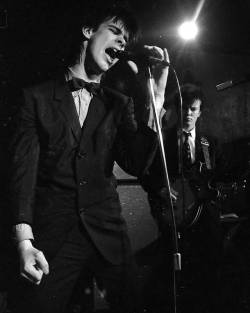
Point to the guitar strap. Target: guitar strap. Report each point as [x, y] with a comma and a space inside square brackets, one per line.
[205, 145]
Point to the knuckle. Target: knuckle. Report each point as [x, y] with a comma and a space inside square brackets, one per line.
[25, 269]
[39, 254]
[22, 275]
[39, 275]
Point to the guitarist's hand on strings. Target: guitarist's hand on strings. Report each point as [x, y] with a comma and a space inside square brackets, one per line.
[173, 194]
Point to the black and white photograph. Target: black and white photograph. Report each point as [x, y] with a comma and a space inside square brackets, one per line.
[125, 156]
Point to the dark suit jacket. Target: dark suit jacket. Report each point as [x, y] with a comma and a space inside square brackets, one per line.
[61, 172]
[153, 179]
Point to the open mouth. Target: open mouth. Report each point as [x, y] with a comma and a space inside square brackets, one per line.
[112, 53]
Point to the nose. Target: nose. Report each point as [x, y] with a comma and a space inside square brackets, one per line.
[121, 41]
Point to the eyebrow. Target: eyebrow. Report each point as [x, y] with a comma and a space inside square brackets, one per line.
[119, 29]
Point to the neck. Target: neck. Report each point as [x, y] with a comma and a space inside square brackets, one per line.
[78, 70]
[188, 129]
[81, 70]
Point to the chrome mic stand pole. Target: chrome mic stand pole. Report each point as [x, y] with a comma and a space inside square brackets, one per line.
[176, 254]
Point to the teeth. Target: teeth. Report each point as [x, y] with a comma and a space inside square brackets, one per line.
[111, 52]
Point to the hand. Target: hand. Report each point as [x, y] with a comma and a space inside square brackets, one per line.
[32, 262]
[159, 70]
[173, 194]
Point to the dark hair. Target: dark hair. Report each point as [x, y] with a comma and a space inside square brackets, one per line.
[118, 12]
[93, 17]
[190, 93]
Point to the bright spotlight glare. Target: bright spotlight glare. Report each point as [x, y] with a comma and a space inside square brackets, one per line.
[188, 30]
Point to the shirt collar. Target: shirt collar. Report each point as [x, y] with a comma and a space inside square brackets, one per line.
[192, 133]
[71, 73]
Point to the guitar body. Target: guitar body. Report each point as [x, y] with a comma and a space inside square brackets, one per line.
[187, 207]
[192, 192]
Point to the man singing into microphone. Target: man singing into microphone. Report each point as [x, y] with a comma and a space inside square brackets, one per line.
[66, 211]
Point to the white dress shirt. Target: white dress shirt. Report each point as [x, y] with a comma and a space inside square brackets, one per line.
[82, 99]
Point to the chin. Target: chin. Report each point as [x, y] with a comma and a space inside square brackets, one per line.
[187, 126]
[99, 66]
[104, 67]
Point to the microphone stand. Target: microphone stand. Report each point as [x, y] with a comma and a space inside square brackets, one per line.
[176, 254]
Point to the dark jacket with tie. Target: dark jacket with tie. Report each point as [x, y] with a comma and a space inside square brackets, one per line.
[198, 176]
[61, 172]
[153, 178]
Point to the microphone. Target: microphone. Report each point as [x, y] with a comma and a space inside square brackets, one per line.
[222, 86]
[232, 83]
[143, 57]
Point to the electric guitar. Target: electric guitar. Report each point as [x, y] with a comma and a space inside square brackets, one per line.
[191, 194]
[194, 192]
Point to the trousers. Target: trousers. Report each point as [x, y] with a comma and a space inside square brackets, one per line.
[77, 259]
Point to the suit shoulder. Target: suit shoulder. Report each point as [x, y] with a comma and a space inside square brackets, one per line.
[207, 138]
[40, 88]
[170, 131]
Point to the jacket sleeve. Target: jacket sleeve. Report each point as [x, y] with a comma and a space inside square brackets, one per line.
[219, 162]
[135, 143]
[24, 149]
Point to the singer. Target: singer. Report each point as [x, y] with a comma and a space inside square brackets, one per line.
[66, 213]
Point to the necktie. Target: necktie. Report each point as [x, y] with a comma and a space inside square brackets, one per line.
[187, 160]
[77, 83]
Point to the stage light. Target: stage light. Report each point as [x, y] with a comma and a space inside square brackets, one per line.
[188, 30]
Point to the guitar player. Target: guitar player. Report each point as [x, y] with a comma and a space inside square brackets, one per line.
[200, 236]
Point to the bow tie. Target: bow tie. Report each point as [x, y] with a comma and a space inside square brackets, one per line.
[77, 83]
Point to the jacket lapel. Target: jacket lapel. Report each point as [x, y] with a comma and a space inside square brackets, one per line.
[63, 95]
[94, 117]
[198, 148]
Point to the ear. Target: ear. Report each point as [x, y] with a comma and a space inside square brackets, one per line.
[87, 32]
